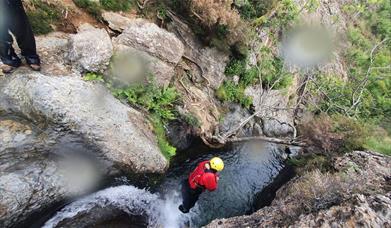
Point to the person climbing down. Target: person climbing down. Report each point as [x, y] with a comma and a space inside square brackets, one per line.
[204, 177]
[13, 19]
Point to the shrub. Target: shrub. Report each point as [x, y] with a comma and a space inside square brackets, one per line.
[310, 162]
[235, 67]
[167, 150]
[93, 77]
[116, 5]
[334, 134]
[229, 91]
[255, 8]
[318, 191]
[379, 141]
[158, 101]
[43, 16]
[92, 7]
[250, 77]
[286, 13]
[215, 22]
[191, 120]
[272, 71]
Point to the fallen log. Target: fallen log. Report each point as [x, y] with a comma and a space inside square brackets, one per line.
[267, 139]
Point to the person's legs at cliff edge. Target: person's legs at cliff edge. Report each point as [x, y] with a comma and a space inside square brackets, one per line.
[7, 53]
[16, 21]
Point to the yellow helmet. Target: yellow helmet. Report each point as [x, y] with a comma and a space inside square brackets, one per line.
[217, 164]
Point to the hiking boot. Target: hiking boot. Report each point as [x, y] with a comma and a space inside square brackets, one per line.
[34, 62]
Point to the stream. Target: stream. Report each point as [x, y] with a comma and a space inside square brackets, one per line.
[248, 169]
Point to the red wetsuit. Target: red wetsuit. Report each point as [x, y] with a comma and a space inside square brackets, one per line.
[202, 177]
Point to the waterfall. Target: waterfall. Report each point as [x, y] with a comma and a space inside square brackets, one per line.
[158, 212]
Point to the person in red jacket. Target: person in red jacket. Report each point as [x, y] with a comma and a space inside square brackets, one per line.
[204, 177]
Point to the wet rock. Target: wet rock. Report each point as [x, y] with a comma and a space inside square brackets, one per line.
[90, 49]
[116, 21]
[21, 164]
[121, 134]
[28, 189]
[38, 169]
[366, 174]
[180, 134]
[160, 49]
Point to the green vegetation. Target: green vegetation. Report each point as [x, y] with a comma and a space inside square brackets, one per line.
[365, 96]
[91, 7]
[43, 17]
[93, 77]
[116, 5]
[270, 71]
[167, 150]
[273, 73]
[191, 120]
[229, 91]
[310, 162]
[94, 8]
[335, 134]
[159, 102]
[286, 13]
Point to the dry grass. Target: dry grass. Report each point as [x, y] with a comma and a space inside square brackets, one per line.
[211, 12]
[316, 190]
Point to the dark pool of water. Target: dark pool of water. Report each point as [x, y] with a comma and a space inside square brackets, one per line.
[248, 169]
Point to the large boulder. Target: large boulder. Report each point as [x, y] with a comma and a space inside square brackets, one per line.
[122, 135]
[90, 49]
[357, 195]
[53, 50]
[116, 21]
[160, 48]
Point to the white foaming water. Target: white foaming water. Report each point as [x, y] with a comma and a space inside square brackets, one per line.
[128, 199]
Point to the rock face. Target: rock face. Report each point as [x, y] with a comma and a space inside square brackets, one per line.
[38, 170]
[121, 133]
[160, 48]
[211, 62]
[90, 49]
[273, 111]
[20, 168]
[329, 200]
[362, 211]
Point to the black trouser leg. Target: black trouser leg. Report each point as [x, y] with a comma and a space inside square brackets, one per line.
[22, 30]
[190, 196]
[7, 53]
[17, 22]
